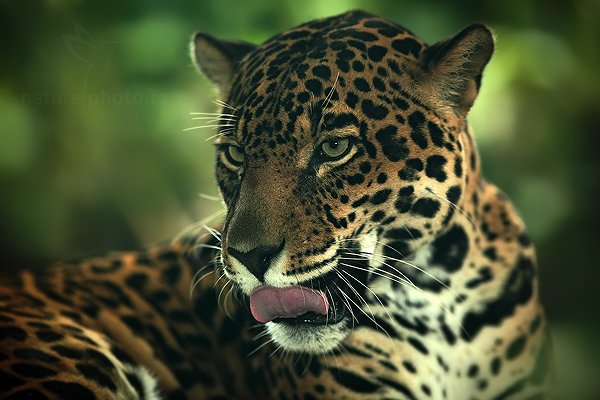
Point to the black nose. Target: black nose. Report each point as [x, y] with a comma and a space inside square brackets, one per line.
[258, 259]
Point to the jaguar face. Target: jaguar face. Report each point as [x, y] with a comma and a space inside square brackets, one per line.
[341, 144]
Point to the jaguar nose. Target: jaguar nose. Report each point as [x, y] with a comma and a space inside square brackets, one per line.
[258, 259]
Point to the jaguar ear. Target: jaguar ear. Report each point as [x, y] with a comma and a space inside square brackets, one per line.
[218, 59]
[454, 66]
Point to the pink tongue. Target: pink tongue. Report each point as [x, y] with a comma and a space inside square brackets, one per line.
[268, 302]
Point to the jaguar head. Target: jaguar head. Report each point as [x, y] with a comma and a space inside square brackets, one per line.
[341, 144]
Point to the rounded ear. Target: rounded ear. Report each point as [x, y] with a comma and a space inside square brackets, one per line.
[454, 67]
[218, 59]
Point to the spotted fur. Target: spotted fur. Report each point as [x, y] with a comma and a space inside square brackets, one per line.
[428, 270]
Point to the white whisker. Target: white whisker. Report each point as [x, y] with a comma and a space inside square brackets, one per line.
[217, 281]
[209, 197]
[215, 233]
[330, 94]
[261, 334]
[215, 119]
[457, 208]
[194, 228]
[206, 246]
[413, 266]
[348, 305]
[334, 308]
[383, 274]
[196, 282]
[260, 347]
[207, 126]
[372, 318]
[216, 114]
[372, 257]
[275, 351]
[372, 292]
[224, 104]
[223, 307]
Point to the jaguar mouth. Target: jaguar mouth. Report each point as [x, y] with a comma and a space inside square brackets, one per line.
[302, 305]
[314, 316]
[336, 314]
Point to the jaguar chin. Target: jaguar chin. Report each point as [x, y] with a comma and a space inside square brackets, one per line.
[309, 337]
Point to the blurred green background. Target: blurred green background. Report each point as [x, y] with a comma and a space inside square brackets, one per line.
[94, 97]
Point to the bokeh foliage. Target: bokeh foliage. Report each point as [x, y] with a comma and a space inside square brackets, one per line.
[94, 97]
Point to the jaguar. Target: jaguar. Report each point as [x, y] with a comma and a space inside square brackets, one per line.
[362, 255]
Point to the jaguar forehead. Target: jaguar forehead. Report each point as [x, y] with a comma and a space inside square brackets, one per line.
[293, 74]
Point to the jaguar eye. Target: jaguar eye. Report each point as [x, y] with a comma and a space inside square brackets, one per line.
[234, 156]
[334, 149]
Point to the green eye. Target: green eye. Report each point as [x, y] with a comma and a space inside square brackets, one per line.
[334, 149]
[234, 156]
